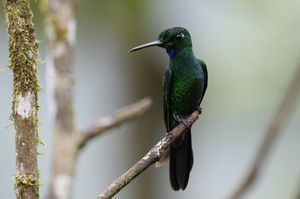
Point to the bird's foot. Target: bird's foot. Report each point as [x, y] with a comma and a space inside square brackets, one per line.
[199, 109]
[182, 120]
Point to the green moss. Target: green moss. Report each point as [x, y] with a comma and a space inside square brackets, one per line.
[23, 57]
[23, 48]
[23, 53]
[23, 181]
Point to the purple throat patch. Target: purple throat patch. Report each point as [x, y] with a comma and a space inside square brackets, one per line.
[171, 52]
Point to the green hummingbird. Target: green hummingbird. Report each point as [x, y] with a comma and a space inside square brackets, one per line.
[184, 85]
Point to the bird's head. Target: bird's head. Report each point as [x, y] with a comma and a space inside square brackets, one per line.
[173, 40]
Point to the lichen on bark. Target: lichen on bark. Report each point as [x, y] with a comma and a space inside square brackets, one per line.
[22, 60]
[23, 47]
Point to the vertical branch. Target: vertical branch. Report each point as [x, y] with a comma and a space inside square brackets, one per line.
[61, 27]
[23, 56]
[276, 124]
[61, 32]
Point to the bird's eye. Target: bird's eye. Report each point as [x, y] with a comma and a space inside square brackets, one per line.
[179, 37]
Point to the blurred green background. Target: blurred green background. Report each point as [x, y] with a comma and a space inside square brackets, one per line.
[251, 48]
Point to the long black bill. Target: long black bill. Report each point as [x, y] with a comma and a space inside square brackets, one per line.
[153, 43]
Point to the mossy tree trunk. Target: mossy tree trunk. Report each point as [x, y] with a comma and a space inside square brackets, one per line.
[23, 56]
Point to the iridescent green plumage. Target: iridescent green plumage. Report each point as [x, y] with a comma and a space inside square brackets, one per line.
[184, 86]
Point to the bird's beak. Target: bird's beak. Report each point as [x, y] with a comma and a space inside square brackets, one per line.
[153, 43]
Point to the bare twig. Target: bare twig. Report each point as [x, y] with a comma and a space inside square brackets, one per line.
[276, 124]
[123, 115]
[151, 157]
[61, 29]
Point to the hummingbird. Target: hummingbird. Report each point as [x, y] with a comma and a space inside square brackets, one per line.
[184, 86]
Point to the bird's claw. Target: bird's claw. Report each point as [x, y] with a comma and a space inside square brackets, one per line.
[182, 120]
[186, 123]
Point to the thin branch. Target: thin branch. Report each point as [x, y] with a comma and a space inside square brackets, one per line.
[151, 157]
[61, 29]
[125, 114]
[276, 124]
[23, 57]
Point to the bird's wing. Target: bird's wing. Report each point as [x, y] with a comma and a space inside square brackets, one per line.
[204, 69]
[167, 82]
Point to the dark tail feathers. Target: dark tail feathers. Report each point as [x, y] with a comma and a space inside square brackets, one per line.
[181, 161]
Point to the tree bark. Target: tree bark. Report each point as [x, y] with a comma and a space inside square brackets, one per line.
[23, 57]
[61, 30]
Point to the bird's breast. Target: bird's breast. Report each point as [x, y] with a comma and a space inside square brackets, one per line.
[186, 92]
